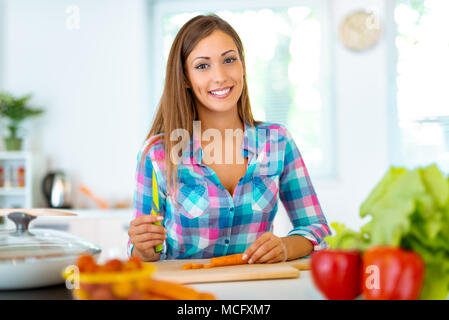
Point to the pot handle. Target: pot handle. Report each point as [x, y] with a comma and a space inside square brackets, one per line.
[21, 220]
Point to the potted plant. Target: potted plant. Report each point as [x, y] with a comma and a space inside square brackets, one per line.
[15, 110]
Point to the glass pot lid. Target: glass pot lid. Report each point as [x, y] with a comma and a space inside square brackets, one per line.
[23, 245]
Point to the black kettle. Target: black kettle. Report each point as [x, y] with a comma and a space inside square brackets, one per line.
[56, 189]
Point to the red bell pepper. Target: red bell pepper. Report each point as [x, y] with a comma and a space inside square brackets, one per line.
[337, 273]
[391, 273]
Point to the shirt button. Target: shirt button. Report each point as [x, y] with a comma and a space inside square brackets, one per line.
[231, 209]
[227, 241]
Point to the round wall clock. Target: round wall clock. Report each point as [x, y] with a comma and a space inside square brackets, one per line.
[360, 30]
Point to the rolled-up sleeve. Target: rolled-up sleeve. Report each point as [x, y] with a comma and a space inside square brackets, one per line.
[299, 198]
[143, 191]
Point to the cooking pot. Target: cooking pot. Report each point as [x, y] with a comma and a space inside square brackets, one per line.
[31, 258]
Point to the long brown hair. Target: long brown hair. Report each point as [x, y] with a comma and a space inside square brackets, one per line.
[177, 108]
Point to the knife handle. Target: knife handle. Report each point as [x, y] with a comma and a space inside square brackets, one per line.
[159, 247]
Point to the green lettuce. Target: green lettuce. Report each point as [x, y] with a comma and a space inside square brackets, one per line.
[436, 278]
[408, 208]
[346, 238]
[437, 185]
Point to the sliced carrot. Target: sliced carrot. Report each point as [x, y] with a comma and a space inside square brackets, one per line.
[230, 260]
[197, 266]
[187, 266]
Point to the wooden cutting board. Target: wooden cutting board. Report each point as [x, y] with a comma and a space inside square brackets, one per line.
[171, 270]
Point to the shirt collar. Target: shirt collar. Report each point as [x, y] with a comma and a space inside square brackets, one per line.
[194, 153]
[249, 141]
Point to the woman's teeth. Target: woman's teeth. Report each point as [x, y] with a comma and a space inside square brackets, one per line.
[220, 93]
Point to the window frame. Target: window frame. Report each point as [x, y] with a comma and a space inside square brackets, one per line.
[329, 170]
[395, 142]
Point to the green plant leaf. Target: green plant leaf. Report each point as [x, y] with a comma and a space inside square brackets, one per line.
[436, 184]
[16, 109]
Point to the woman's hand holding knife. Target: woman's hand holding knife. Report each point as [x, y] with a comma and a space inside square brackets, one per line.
[145, 235]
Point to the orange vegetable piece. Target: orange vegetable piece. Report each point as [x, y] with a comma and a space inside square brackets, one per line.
[134, 263]
[80, 294]
[187, 266]
[86, 263]
[172, 290]
[143, 285]
[88, 287]
[122, 289]
[206, 296]
[229, 260]
[197, 266]
[154, 297]
[102, 293]
[112, 265]
[136, 295]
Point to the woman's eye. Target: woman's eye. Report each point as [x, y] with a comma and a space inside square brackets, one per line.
[201, 66]
[229, 60]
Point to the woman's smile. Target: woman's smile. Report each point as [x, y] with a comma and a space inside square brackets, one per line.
[221, 93]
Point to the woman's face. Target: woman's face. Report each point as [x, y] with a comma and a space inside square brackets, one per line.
[215, 73]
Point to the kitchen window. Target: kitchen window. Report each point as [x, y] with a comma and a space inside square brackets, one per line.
[421, 84]
[287, 60]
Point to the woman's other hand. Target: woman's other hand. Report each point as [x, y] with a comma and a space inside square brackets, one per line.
[266, 249]
[145, 235]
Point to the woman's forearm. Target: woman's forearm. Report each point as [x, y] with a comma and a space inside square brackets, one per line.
[297, 246]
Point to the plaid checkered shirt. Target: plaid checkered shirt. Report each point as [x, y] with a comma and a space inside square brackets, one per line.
[207, 221]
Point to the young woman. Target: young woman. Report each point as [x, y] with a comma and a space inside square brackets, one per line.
[218, 196]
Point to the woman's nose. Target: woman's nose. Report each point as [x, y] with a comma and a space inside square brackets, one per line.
[219, 74]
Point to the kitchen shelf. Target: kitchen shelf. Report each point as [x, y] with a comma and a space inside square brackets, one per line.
[12, 191]
[14, 155]
[11, 195]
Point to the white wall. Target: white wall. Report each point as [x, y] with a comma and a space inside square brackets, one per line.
[93, 83]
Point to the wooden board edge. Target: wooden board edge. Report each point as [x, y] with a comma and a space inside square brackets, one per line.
[188, 279]
[301, 266]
